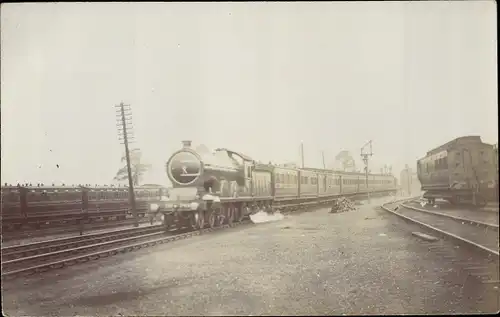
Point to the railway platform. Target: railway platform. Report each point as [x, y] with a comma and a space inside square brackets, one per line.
[358, 262]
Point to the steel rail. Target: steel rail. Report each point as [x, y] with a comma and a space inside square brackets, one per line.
[109, 248]
[444, 233]
[66, 229]
[472, 221]
[65, 243]
[107, 251]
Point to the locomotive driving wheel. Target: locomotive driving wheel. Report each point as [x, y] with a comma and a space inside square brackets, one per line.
[221, 217]
[240, 213]
[168, 221]
[229, 211]
[212, 218]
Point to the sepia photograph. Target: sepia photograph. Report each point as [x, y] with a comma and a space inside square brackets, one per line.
[249, 158]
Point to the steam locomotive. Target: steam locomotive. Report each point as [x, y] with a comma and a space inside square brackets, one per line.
[226, 186]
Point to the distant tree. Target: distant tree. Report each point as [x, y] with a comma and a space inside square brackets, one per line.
[137, 168]
[346, 160]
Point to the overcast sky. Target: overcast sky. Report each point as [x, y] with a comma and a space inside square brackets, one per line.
[253, 77]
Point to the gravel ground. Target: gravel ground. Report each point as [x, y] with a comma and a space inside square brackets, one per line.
[359, 262]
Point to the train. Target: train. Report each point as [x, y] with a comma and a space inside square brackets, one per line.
[224, 186]
[462, 171]
[25, 205]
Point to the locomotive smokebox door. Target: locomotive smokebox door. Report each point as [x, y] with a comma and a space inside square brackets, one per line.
[184, 168]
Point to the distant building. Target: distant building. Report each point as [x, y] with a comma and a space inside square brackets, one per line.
[408, 182]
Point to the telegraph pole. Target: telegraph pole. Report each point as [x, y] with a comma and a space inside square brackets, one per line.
[302, 152]
[124, 124]
[365, 157]
[408, 181]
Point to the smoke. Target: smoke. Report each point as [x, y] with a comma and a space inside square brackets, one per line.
[261, 216]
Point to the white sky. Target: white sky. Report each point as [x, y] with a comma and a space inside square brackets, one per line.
[253, 77]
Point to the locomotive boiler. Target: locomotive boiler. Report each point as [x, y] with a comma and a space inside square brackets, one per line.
[200, 180]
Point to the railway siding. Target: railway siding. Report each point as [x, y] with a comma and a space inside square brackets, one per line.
[476, 215]
[480, 235]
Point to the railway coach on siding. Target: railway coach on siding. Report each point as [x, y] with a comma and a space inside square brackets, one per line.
[460, 171]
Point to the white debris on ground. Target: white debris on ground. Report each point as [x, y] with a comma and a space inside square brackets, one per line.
[261, 216]
[342, 205]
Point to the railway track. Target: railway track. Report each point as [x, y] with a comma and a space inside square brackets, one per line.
[475, 243]
[67, 229]
[23, 260]
[36, 248]
[480, 235]
[18, 261]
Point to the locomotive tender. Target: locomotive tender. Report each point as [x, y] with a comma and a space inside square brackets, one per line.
[226, 186]
[463, 170]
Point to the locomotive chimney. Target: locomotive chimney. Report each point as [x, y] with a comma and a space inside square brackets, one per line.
[186, 144]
